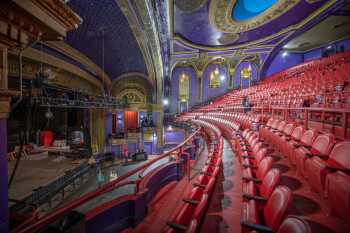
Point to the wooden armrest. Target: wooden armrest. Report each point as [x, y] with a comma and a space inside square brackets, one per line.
[177, 226]
[253, 197]
[190, 201]
[248, 157]
[307, 146]
[257, 227]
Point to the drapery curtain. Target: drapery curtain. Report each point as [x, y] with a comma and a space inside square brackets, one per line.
[130, 120]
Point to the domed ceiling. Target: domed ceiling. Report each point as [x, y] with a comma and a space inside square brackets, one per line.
[233, 23]
[235, 29]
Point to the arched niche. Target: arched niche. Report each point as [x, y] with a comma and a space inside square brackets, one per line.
[176, 101]
[135, 86]
[246, 74]
[215, 81]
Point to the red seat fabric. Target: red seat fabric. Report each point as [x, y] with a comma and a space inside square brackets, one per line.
[316, 168]
[269, 183]
[320, 147]
[294, 224]
[338, 189]
[307, 139]
[273, 211]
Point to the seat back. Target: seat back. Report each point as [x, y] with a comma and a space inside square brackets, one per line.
[294, 224]
[281, 125]
[260, 155]
[288, 129]
[297, 132]
[275, 123]
[269, 122]
[323, 144]
[269, 183]
[340, 155]
[263, 167]
[308, 137]
[257, 147]
[276, 207]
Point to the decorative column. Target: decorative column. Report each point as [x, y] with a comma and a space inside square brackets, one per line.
[4, 112]
[199, 75]
[159, 129]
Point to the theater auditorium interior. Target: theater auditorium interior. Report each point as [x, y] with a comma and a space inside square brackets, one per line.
[175, 116]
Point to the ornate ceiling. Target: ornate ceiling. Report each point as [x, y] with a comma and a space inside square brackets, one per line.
[239, 29]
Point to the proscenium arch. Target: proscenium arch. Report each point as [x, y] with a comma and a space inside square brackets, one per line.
[134, 80]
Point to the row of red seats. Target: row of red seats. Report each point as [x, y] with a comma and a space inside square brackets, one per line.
[265, 203]
[192, 209]
[319, 158]
[292, 86]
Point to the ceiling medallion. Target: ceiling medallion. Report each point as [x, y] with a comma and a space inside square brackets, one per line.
[189, 6]
[220, 15]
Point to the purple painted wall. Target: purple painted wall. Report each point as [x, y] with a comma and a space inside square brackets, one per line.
[3, 177]
[174, 136]
[175, 84]
[282, 62]
[237, 75]
[108, 123]
[213, 92]
[120, 126]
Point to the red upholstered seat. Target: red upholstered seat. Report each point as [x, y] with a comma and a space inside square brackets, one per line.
[261, 170]
[320, 147]
[338, 189]
[188, 212]
[294, 224]
[264, 190]
[287, 143]
[280, 139]
[210, 170]
[272, 214]
[317, 168]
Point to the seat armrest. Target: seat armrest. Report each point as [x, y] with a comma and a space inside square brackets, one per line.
[246, 150]
[255, 180]
[307, 146]
[199, 185]
[257, 227]
[248, 157]
[190, 201]
[176, 226]
[249, 166]
[253, 197]
[206, 173]
[297, 145]
[334, 169]
[309, 155]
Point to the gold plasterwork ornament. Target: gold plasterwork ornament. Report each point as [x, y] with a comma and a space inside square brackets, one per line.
[246, 73]
[184, 88]
[220, 15]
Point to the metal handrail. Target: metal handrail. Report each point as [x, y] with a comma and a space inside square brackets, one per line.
[41, 222]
